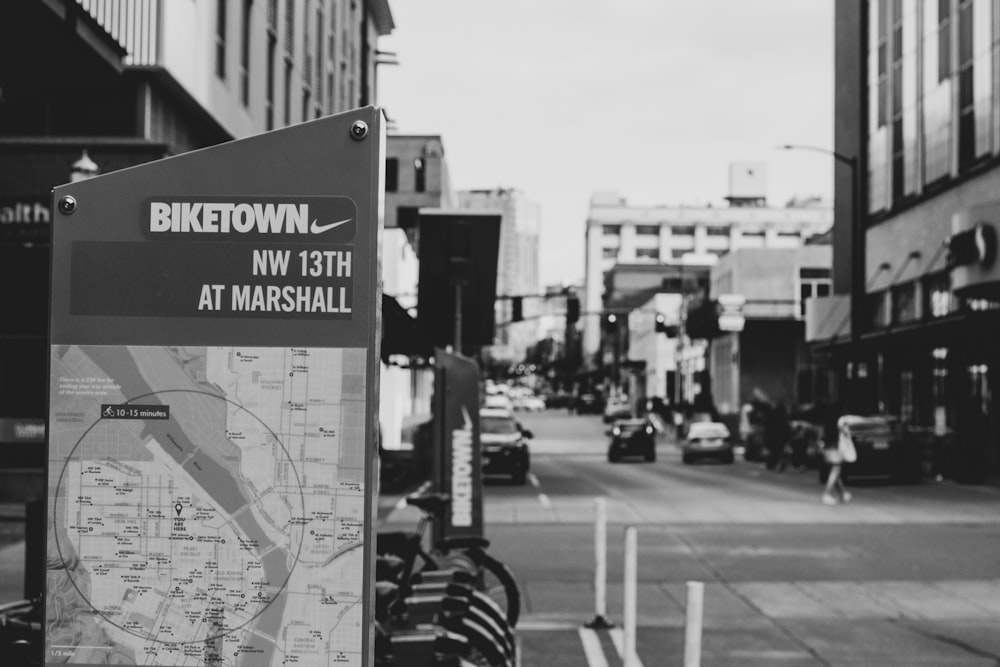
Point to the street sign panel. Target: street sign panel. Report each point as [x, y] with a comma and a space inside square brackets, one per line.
[213, 383]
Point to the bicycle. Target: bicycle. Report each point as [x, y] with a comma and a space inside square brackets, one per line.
[467, 553]
[21, 633]
[408, 620]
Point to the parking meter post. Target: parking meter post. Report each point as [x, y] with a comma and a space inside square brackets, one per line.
[600, 619]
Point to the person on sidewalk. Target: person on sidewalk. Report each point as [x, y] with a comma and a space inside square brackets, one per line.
[835, 452]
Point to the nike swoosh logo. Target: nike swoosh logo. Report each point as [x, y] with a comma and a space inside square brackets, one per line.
[319, 229]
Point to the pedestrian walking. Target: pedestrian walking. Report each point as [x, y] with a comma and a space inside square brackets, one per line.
[777, 433]
[838, 448]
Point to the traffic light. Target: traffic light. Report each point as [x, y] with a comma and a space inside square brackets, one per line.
[572, 309]
[516, 308]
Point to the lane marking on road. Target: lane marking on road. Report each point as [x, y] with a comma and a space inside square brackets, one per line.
[534, 480]
[544, 500]
[618, 639]
[592, 648]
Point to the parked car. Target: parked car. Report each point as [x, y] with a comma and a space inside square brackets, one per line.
[707, 440]
[529, 403]
[632, 437]
[499, 401]
[504, 444]
[883, 451]
[617, 408]
[588, 404]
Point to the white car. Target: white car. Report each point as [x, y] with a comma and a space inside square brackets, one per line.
[499, 401]
[707, 440]
[529, 403]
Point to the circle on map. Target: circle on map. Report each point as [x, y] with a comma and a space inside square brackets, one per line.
[294, 480]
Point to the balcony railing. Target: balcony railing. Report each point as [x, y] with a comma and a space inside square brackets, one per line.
[134, 24]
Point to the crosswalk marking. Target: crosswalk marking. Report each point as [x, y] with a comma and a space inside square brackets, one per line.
[595, 653]
[592, 648]
[618, 639]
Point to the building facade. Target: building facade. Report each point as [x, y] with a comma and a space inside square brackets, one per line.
[769, 358]
[416, 178]
[918, 107]
[100, 85]
[619, 233]
[517, 266]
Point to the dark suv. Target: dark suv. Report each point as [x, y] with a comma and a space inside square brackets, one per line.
[505, 444]
[632, 437]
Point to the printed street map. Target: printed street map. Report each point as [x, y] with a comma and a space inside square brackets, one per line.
[206, 506]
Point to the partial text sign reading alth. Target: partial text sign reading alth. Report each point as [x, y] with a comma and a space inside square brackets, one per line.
[230, 257]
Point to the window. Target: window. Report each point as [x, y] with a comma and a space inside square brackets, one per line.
[318, 85]
[883, 77]
[609, 253]
[245, 53]
[391, 174]
[940, 302]
[220, 39]
[897, 149]
[683, 230]
[678, 253]
[272, 50]
[611, 230]
[966, 98]
[904, 303]
[647, 230]
[305, 104]
[420, 175]
[716, 230]
[331, 53]
[307, 56]
[289, 27]
[813, 282]
[288, 92]
[944, 39]
[878, 310]
[647, 253]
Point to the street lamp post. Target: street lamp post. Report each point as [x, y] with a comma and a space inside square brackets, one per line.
[857, 247]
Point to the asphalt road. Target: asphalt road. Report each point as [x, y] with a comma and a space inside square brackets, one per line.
[902, 575]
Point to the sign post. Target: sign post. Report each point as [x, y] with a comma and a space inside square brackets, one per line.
[457, 465]
[212, 404]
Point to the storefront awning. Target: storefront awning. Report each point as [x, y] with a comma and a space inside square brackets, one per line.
[400, 333]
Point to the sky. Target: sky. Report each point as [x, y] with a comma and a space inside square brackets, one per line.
[651, 99]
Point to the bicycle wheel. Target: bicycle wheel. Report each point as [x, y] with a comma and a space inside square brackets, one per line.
[497, 581]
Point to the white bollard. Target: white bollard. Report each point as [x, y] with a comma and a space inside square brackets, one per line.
[601, 559]
[629, 657]
[693, 623]
[600, 566]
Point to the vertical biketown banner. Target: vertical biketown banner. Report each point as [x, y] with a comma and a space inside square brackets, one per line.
[459, 464]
